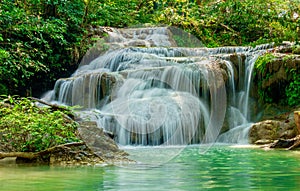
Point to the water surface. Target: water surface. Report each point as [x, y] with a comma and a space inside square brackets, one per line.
[173, 168]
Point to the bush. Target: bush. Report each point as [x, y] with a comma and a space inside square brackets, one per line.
[26, 127]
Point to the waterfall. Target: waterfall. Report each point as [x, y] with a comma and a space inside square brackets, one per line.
[147, 91]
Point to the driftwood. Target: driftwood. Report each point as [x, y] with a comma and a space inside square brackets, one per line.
[289, 144]
[32, 155]
[296, 144]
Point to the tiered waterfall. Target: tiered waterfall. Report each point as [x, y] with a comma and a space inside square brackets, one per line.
[148, 91]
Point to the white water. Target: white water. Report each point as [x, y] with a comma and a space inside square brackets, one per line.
[162, 95]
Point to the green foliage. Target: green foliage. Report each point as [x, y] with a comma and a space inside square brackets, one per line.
[262, 61]
[290, 94]
[26, 127]
[42, 40]
[219, 23]
[260, 72]
[119, 13]
[292, 91]
[296, 49]
[38, 38]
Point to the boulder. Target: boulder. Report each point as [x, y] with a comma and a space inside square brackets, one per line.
[272, 130]
[101, 144]
[297, 120]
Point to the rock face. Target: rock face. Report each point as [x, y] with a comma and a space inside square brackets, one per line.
[71, 155]
[271, 83]
[100, 144]
[270, 130]
[297, 120]
[96, 148]
[276, 76]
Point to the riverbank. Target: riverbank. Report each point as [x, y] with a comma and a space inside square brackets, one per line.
[52, 136]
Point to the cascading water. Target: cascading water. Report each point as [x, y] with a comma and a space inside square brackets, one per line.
[146, 91]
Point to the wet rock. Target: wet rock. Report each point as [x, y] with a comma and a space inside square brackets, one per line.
[73, 156]
[138, 43]
[103, 146]
[273, 129]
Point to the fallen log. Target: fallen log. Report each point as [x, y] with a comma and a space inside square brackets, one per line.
[32, 155]
[27, 155]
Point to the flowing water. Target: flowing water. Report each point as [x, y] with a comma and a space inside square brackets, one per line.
[219, 168]
[147, 91]
[166, 106]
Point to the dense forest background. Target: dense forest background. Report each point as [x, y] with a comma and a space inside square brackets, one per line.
[43, 40]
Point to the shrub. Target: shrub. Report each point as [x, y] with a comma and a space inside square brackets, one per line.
[26, 127]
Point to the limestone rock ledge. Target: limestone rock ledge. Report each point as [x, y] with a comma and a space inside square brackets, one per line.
[268, 131]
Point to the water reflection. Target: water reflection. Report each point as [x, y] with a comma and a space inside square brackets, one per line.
[220, 168]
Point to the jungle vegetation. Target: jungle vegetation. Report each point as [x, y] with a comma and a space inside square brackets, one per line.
[43, 40]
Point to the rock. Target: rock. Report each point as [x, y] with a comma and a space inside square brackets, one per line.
[263, 141]
[138, 43]
[272, 130]
[97, 148]
[276, 76]
[297, 120]
[73, 155]
[103, 146]
[274, 111]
